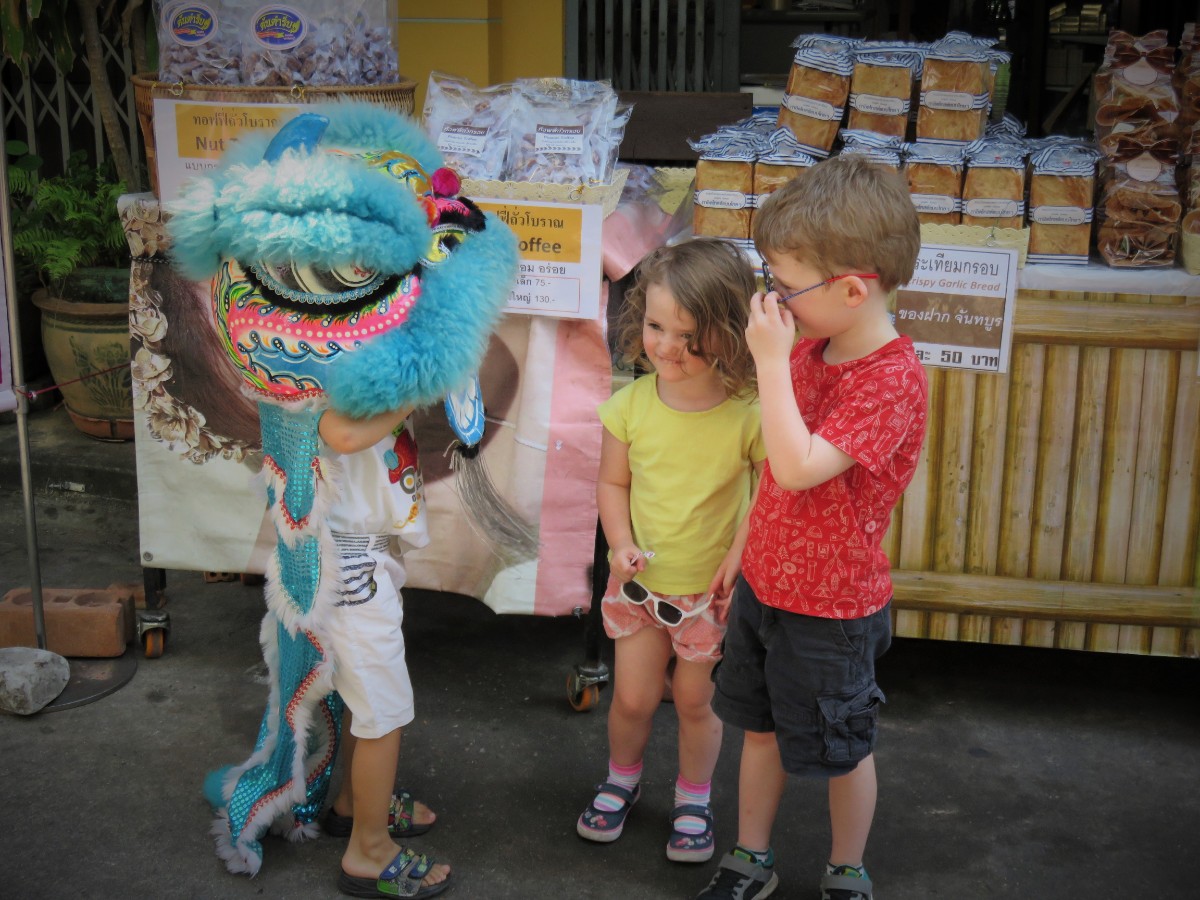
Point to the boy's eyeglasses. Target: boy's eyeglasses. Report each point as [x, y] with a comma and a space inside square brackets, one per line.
[769, 281]
[664, 611]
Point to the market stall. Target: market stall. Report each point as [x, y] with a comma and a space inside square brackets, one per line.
[1057, 503]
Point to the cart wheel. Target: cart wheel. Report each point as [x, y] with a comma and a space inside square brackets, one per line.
[154, 642]
[582, 699]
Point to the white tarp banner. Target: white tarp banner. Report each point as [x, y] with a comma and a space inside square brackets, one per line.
[197, 446]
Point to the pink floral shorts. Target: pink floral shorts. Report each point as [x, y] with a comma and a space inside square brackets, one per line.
[697, 639]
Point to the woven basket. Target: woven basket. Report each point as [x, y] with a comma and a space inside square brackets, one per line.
[605, 195]
[397, 95]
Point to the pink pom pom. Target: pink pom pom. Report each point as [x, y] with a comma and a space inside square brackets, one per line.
[445, 182]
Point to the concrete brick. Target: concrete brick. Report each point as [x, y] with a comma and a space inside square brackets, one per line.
[81, 622]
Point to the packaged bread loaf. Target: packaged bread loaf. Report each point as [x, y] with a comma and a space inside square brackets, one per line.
[881, 88]
[881, 148]
[780, 159]
[994, 186]
[724, 194]
[1008, 126]
[954, 92]
[934, 173]
[814, 101]
[1061, 199]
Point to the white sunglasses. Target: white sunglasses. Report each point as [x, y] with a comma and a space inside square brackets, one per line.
[664, 611]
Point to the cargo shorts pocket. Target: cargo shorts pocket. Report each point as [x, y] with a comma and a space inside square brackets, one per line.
[849, 725]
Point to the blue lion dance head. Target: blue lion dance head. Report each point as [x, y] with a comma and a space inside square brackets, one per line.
[344, 262]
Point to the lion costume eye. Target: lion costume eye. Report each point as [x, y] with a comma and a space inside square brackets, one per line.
[313, 284]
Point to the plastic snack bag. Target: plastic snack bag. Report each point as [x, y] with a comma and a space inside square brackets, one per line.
[199, 43]
[318, 42]
[469, 124]
[563, 131]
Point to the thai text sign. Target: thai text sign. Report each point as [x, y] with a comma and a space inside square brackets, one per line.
[560, 257]
[958, 307]
[190, 137]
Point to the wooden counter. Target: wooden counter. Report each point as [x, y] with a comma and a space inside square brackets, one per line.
[1059, 505]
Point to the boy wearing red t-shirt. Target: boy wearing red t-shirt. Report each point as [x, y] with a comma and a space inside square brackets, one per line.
[843, 420]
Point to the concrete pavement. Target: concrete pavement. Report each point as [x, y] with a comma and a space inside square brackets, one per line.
[1005, 772]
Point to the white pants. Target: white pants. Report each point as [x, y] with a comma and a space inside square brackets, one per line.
[367, 643]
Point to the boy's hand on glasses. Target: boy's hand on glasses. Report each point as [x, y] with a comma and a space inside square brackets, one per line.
[771, 329]
[626, 562]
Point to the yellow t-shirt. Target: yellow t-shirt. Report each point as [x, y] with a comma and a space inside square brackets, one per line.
[691, 480]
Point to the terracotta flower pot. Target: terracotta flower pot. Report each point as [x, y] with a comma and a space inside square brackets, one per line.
[82, 339]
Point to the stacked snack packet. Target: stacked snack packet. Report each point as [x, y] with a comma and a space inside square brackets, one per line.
[1061, 198]
[546, 130]
[1187, 82]
[739, 166]
[1137, 130]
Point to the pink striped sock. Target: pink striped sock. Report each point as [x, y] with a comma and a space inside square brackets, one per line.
[689, 794]
[622, 776]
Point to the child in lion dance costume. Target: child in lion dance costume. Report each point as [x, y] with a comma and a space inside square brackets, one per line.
[350, 284]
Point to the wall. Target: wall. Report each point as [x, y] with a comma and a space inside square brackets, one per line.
[487, 41]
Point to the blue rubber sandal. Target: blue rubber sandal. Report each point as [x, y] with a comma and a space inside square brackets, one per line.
[402, 878]
[604, 825]
[691, 848]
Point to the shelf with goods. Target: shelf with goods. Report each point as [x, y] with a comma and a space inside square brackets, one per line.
[1058, 503]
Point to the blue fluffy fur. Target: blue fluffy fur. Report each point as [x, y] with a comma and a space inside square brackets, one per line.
[324, 209]
[445, 336]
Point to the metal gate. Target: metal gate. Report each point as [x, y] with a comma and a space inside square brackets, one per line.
[56, 113]
[654, 45]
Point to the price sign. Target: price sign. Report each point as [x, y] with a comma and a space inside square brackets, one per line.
[560, 257]
[190, 137]
[958, 307]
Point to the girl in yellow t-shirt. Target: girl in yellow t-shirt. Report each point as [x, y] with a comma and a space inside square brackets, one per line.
[678, 465]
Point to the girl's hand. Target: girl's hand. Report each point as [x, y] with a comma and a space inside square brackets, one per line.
[771, 330]
[721, 586]
[626, 562]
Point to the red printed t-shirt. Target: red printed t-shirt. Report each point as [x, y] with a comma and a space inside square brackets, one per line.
[817, 551]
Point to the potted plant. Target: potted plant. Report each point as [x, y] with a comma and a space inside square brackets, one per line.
[70, 249]
[77, 210]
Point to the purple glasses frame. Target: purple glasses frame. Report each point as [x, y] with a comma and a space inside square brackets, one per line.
[769, 281]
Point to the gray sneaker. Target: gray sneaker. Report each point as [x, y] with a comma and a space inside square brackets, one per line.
[740, 879]
[838, 885]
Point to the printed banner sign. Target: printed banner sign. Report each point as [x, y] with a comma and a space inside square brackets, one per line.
[190, 137]
[201, 505]
[560, 257]
[958, 307]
